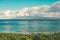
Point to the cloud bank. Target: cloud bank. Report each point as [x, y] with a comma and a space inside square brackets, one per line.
[37, 11]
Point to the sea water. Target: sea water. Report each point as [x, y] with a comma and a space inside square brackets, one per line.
[38, 25]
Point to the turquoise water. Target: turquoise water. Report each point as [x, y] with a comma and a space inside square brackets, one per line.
[30, 25]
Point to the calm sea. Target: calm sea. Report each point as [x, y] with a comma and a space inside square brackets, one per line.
[38, 25]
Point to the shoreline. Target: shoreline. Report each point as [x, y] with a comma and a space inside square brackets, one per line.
[31, 32]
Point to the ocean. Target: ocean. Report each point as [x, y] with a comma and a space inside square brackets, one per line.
[31, 25]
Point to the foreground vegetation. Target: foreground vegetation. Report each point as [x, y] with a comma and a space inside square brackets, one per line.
[38, 36]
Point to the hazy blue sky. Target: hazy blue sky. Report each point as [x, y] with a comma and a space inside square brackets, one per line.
[19, 4]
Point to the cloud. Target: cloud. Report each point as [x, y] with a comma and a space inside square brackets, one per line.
[55, 7]
[40, 11]
[8, 14]
[35, 11]
[23, 12]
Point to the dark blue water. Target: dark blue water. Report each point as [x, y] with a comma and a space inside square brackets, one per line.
[30, 25]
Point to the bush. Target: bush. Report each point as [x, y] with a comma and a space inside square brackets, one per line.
[38, 36]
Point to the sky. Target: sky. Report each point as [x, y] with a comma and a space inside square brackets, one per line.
[36, 8]
[19, 4]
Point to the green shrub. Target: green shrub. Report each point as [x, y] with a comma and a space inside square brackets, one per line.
[38, 36]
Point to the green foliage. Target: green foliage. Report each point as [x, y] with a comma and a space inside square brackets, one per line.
[38, 36]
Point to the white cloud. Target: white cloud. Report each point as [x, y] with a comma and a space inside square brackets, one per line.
[23, 12]
[40, 11]
[55, 7]
[10, 13]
